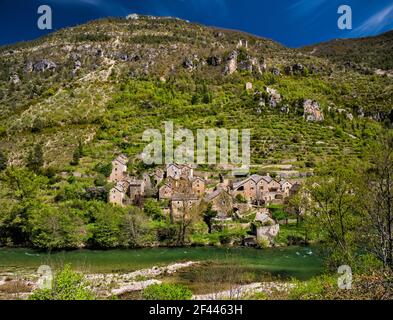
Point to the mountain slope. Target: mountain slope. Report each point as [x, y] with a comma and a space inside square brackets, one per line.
[105, 82]
[370, 52]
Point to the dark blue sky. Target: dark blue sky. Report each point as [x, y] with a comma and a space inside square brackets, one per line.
[291, 22]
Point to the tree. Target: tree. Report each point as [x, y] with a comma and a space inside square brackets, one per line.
[20, 192]
[105, 169]
[55, 229]
[3, 161]
[335, 212]
[377, 199]
[153, 209]
[105, 229]
[208, 215]
[37, 126]
[78, 153]
[132, 228]
[35, 160]
[186, 212]
[67, 285]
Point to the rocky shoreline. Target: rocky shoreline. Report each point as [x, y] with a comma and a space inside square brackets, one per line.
[117, 284]
[17, 286]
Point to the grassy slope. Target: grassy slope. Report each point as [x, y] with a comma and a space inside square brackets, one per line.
[111, 102]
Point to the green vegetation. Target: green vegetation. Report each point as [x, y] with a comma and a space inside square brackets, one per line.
[60, 127]
[67, 285]
[166, 292]
[35, 161]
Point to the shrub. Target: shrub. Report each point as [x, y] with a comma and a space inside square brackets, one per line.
[263, 243]
[153, 210]
[105, 169]
[313, 289]
[35, 160]
[167, 292]
[67, 285]
[240, 199]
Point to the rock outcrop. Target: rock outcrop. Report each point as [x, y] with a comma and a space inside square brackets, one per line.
[214, 61]
[296, 69]
[14, 79]
[276, 72]
[41, 65]
[266, 228]
[312, 111]
[274, 97]
[231, 63]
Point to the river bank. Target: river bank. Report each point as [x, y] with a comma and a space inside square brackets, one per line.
[204, 270]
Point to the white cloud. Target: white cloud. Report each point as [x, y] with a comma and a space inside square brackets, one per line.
[376, 23]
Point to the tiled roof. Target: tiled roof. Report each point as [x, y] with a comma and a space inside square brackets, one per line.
[213, 194]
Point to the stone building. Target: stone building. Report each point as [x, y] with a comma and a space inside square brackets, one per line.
[221, 201]
[119, 169]
[198, 186]
[117, 195]
[260, 189]
[183, 204]
[176, 171]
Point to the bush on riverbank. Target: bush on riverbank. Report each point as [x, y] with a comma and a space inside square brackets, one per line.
[67, 285]
[377, 285]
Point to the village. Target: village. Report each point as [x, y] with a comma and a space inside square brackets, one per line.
[183, 189]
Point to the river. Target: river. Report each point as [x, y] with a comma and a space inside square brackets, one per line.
[287, 262]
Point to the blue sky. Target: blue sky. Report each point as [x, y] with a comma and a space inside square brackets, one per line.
[292, 22]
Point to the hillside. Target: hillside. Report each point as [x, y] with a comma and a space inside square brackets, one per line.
[105, 82]
[368, 53]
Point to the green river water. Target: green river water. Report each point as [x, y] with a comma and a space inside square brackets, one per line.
[297, 262]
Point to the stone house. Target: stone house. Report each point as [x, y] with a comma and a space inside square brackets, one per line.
[259, 189]
[285, 187]
[136, 190]
[183, 204]
[147, 181]
[119, 169]
[165, 191]
[176, 171]
[221, 201]
[158, 176]
[117, 195]
[198, 186]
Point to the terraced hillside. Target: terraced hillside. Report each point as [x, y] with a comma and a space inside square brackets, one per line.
[105, 82]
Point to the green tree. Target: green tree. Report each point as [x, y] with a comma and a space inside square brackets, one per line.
[21, 190]
[37, 126]
[376, 196]
[133, 226]
[67, 285]
[78, 153]
[335, 212]
[105, 229]
[55, 229]
[104, 168]
[208, 215]
[35, 160]
[153, 209]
